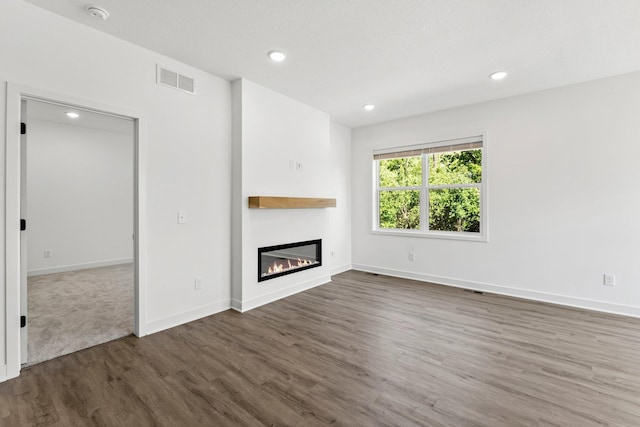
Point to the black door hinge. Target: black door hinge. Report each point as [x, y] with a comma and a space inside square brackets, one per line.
[23, 321]
[23, 224]
[23, 128]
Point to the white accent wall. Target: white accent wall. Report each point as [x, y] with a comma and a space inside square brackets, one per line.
[188, 151]
[563, 205]
[79, 197]
[271, 134]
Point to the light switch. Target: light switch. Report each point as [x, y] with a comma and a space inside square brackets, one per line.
[182, 217]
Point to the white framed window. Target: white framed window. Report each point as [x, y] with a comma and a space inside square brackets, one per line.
[432, 190]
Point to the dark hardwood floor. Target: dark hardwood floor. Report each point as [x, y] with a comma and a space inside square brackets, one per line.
[362, 350]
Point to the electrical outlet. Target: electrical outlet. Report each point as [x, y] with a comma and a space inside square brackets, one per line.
[47, 253]
[609, 279]
[182, 217]
[197, 283]
[333, 254]
[299, 166]
[412, 256]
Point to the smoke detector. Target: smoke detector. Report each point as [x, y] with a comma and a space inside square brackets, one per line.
[98, 12]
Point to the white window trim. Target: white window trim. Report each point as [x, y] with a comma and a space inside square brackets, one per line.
[424, 232]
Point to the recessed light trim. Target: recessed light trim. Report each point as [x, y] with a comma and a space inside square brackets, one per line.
[498, 75]
[72, 115]
[98, 12]
[368, 107]
[277, 56]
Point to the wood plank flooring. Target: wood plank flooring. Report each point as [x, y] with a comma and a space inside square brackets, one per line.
[362, 350]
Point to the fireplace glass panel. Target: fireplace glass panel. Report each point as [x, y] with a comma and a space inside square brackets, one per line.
[276, 261]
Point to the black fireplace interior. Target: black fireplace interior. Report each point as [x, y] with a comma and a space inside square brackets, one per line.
[280, 260]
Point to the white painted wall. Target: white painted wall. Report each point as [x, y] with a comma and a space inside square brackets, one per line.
[79, 197]
[270, 131]
[188, 150]
[339, 259]
[562, 197]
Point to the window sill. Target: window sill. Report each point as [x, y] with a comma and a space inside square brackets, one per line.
[433, 235]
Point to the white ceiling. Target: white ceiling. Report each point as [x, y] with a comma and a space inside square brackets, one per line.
[37, 110]
[405, 56]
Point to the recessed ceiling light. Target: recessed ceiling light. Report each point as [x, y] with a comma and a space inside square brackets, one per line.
[498, 75]
[72, 115]
[277, 56]
[98, 12]
[368, 107]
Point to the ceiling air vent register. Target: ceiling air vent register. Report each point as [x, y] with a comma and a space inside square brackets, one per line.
[175, 80]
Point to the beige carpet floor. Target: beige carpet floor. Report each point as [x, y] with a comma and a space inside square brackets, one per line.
[78, 309]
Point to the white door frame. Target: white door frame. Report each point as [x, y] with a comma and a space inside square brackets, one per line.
[15, 93]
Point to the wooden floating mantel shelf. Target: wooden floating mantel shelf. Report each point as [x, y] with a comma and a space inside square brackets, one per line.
[266, 202]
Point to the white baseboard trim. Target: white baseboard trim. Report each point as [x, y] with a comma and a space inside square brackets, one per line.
[340, 269]
[244, 306]
[74, 267]
[187, 316]
[7, 374]
[236, 305]
[606, 307]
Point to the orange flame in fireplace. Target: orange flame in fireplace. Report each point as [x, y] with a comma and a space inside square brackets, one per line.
[278, 268]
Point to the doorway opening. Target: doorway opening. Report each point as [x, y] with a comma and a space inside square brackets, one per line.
[77, 251]
[17, 318]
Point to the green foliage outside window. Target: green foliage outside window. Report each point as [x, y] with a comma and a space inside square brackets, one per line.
[400, 208]
[401, 172]
[458, 167]
[450, 209]
[454, 209]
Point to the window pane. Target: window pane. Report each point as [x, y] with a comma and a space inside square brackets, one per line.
[454, 209]
[455, 167]
[400, 209]
[401, 172]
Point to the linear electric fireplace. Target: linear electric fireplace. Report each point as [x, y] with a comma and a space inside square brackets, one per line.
[280, 260]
